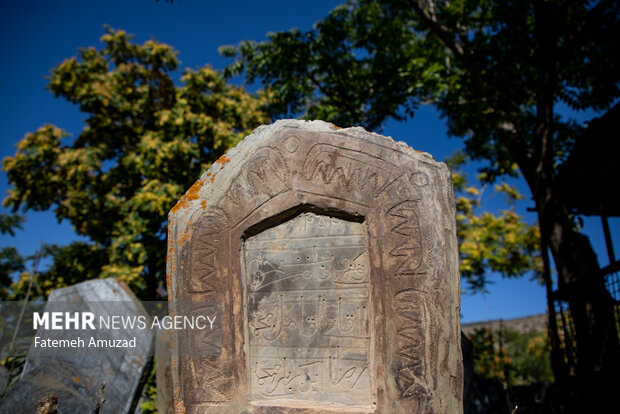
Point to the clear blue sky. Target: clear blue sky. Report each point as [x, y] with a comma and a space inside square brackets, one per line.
[37, 35]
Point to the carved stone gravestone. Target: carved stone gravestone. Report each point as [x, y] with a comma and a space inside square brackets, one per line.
[332, 254]
[82, 377]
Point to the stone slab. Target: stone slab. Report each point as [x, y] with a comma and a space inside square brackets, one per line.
[332, 253]
[77, 377]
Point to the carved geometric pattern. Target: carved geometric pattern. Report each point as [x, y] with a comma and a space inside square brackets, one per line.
[411, 319]
[410, 248]
[266, 173]
[203, 272]
[347, 169]
[210, 381]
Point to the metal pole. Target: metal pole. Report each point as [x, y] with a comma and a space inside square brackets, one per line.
[610, 247]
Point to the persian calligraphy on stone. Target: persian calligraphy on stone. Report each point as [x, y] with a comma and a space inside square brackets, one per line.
[307, 284]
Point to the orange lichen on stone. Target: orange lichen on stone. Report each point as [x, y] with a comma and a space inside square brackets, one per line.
[223, 160]
[77, 379]
[336, 126]
[179, 407]
[203, 203]
[192, 194]
[213, 178]
[185, 237]
[169, 254]
[182, 203]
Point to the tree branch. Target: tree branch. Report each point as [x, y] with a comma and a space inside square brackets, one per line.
[547, 79]
[439, 30]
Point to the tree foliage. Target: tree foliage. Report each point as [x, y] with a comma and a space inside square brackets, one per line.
[514, 358]
[11, 262]
[489, 242]
[358, 66]
[480, 62]
[145, 141]
[10, 222]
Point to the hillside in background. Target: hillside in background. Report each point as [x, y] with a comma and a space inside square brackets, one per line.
[520, 325]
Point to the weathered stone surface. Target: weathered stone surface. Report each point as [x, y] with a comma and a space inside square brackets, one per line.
[76, 376]
[165, 402]
[332, 253]
[307, 290]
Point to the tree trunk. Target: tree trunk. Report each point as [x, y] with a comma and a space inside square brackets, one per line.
[582, 285]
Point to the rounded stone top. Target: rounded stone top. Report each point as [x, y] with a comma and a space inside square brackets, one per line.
[197, 196]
